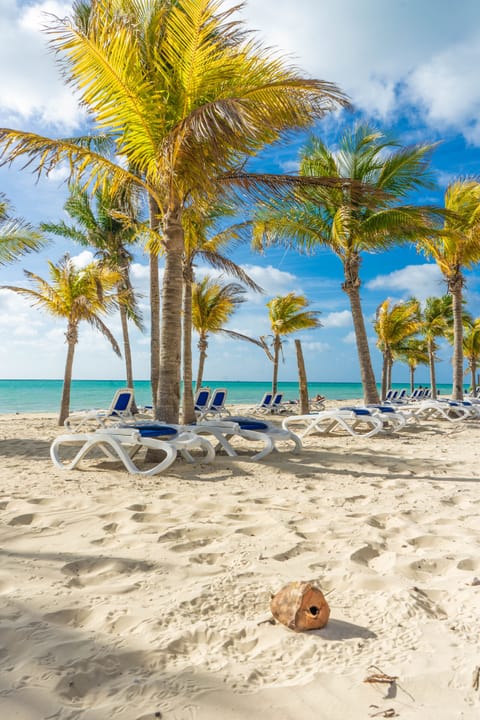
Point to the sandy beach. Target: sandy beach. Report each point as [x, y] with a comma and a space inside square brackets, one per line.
[137, 598]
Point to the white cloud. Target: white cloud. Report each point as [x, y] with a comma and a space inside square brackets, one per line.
[350, 339]
[82, 259]
[337, 319]
[446, 85]
[420, 281]
[31, 86]
[381, 53]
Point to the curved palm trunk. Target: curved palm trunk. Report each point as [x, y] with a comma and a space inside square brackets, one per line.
[389, 369]
[188, 412]
[352, 287]
[384, 376]
[127, 352]
[154, 312]
[276, 356]
[302, 380]
[72, 339]
[202, 348]
[431, 363]
[171, 327]
[455, 288]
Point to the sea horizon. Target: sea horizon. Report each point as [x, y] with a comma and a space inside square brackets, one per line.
[23, 395]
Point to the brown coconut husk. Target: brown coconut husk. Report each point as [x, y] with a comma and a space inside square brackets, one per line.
[300, 606]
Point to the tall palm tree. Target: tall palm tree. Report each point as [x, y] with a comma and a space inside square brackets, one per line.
[17, 237]
[183, 93]
[287, 314]
[213, 304]
[437, 321]
[206, 238]
[352, 223]
[413, 352]
[455, 249]
[109, 223]
[393, 325]
[76, 295]
[471, 351]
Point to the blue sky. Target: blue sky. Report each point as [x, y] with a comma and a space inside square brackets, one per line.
[409, 67]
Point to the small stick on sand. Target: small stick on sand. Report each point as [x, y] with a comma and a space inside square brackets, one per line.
[476, 678]
[380, 677]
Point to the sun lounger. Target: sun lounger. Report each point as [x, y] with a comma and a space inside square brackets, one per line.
[451, 410]
[120, 408]
[123, 443]
[269, 434]
[202, 401]
[355, 421]
[264, 405]
[216, 405]
[393, 417]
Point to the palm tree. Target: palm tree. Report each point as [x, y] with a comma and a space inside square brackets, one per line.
[413, 352]
[109, 224]
[471, 350]
[437, 321]
[287, 314]
[17, 237]
[213, 304]
[208, 239]
[394, 325]
[454, 249]
[348, 222]
[182, 94]
[77, 295]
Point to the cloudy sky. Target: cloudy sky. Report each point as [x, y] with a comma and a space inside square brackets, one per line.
[409, 67]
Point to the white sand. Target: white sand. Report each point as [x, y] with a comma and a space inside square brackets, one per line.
[123, 597]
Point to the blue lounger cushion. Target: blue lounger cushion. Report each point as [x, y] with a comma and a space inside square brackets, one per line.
[248, 423]
[357, 411]
[155, 430]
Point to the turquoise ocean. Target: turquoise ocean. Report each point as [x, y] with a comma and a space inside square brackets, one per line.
[17, 396]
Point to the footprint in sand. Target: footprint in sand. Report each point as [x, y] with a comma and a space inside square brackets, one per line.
[468, 564]
[25, 519]
[431, 541]
[74, 617]
[364, 555]
[95, 571]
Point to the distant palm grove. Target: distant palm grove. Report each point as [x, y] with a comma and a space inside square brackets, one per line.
[179, 97]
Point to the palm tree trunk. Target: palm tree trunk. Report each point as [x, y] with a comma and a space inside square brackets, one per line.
[389, 368]
[188, 411]
[431, 362]
[412, 379]
[171, 327]
[127, 352]
[473, 369]
[72, 339]
[154, 312]
[352, 287]
[202, 348]
[302, 380]
[276, 357]
[455, 288]
[384, 376]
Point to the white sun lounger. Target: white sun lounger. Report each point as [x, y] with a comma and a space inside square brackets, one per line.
[355, 421]
[124, 443]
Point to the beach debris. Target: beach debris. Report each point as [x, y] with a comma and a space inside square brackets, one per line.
[300, 606]
[475, 581]
[269, 621]
[389, 712]
[380, 677]
[476, 678]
